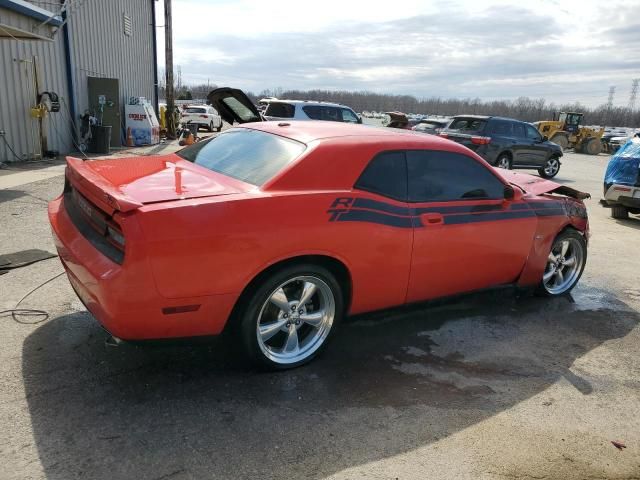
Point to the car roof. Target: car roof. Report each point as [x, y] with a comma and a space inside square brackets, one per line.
[309, 102]
[488, 117]
[309, 131]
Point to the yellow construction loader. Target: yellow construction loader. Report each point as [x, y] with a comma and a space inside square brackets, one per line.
[565, 130]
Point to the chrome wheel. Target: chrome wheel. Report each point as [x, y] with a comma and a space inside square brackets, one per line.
[295, 320]
[564, 265]
[503, 162]
[551, 167]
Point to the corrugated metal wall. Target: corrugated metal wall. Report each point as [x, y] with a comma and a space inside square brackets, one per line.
[17, 95]
[101, 49]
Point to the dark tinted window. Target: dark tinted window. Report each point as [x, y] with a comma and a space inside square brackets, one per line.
[468, 125]
[500, 127]
[386, 174]
[532, 132]
[279, 109]
[444, 176]
[323, 112]
[518, 129]
[248, 155]
[314, 112]
[195, 110]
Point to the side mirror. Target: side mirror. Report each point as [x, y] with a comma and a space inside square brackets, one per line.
[512, 194]
[545, 138]
[509, 192]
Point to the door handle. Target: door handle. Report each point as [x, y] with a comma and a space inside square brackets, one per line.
[432, 219]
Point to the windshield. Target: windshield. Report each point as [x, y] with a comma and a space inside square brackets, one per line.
[248, 155]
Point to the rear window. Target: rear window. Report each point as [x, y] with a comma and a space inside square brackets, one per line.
[248, 155]
[279, 109]
[468, 125]
[195, 110]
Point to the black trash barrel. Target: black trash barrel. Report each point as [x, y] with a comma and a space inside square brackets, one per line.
[100, 139]
[193, 128]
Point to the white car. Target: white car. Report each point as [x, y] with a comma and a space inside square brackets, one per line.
[203, 115]
[309, 110]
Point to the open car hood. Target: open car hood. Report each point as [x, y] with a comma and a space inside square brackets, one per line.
[233, 105]
[538, 185]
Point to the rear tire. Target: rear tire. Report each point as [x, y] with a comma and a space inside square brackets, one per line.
[619, 212]
[565, 264]
[210, 127]
[281, 327]
[219, 126]
[561, 140]
[550, 169]
[504, 161]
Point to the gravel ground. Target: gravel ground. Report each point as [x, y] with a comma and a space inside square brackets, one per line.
[488, 386]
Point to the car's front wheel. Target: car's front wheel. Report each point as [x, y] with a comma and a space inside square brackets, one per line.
[550, 169]
[291, 316]
[565, 263]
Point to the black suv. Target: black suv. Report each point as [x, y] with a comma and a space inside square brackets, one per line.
[506, 143]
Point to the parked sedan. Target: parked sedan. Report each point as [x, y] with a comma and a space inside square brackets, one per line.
[277, 230]
[204, 116]
[506, 143]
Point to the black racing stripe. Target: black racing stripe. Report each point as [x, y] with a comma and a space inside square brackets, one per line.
[382, 206]
[374, 217]
[457, 209]
[487, 217]
[546, 204]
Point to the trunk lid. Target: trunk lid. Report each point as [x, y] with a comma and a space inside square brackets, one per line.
[233, 105]
[538, 185]
[127, 184]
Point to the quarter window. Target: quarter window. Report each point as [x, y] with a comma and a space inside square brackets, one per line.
[501, 127]
[281, 110]
[386, 175]
[446, 176]
[348, 116]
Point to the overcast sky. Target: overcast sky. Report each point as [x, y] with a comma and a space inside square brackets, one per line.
[562, 50]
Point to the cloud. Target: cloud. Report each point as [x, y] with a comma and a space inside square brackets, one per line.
[501, 51]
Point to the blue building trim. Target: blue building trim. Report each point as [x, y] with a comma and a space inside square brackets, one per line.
[32, 11]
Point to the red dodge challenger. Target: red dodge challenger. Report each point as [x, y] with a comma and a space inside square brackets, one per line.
[281, 229]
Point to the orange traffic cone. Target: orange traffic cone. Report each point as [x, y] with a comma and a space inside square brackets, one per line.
[129, 138]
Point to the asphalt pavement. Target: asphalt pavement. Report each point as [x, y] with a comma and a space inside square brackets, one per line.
[489, 386]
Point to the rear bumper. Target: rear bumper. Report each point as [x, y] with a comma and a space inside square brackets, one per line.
[624, 195]
[124, 298]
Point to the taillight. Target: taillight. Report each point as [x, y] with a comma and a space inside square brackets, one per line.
[115, 236]
[443, 135]
[481, 140]
[203, 116]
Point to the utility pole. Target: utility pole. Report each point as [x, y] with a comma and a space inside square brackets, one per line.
[634, 93]
[168, 59]
[612, 92]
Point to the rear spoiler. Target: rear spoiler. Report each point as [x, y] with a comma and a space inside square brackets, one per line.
[81, 175]
[538, 186]
[571, 192]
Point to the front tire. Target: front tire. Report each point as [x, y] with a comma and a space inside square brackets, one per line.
[593, 146]
[291, 316]
[565, 264]
[550, 169]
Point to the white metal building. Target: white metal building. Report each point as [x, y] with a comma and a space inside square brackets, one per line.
[78, 49]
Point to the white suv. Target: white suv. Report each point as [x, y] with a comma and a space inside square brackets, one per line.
[308, 110]
[203, 115]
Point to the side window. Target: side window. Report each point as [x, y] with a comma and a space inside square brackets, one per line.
[279, 109]
[332, 114]
[532, 133]
[348, 116]
[446, 176]
[314, 112]
[386, 175]
[500, 127]
[518, 129]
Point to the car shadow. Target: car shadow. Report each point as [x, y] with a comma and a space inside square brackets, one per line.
[194, 410]
[631, 222]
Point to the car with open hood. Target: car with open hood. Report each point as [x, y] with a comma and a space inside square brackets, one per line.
[277, 230]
